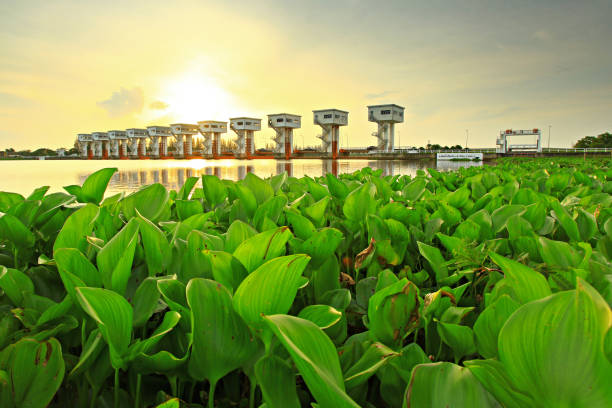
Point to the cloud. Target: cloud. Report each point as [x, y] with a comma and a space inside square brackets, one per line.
[158, 105]
[542, 35]
[123, 102]
[379, 94]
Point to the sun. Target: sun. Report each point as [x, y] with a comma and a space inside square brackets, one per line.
[195, 96]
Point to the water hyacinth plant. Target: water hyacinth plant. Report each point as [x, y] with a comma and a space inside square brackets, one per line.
[481, 287]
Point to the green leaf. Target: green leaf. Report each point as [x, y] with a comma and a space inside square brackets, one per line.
[489, 324]
[221, 340]
[587, 225]
[237, 233]
[150, 202]
[552, 350]
[567, 223]
[315, 356]
[9, 200]
[322, 245]
[261, 247]
[76, 228]
[76, 270]
[336, 187]
[359, 203]
[33, 372]
[302, 226]
[186, 188]
[16, 285]
[156, 247]
[13, 230]
[459, 338]
[558, 253]
[115, 258]
[113, 315]
[95, 185]
[446, 385]
[393, 312]
[374, 357]
[501, 215]
[214, 190]
[260, 188]
[323, 316]
[435, 259]
[316, 212]
[277, 382]
[415, 189]
[527, 284]
[145, 301]
[270, 289]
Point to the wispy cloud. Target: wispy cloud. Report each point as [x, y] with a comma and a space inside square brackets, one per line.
[379, 95]
[123, 102]
[158, 105]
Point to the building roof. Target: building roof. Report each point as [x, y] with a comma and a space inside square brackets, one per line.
[386, 104]
[328, 110]
[245, 118]
[287, 114]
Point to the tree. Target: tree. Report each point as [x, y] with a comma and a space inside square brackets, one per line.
[602, 140]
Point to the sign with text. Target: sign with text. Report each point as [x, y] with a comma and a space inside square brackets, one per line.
[459, 156]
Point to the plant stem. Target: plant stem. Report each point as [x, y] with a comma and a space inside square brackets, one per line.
[191, 389]
[137, 400]
[211, 394]
[252, 393]
[116, 403]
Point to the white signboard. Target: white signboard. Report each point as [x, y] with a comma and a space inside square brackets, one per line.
[458, 156]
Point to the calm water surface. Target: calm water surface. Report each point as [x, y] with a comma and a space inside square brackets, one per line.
[24, 176]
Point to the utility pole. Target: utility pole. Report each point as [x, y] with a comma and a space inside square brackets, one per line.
[467, 135]
[549, 126]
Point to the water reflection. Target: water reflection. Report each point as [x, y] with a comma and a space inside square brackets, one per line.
[174, 177]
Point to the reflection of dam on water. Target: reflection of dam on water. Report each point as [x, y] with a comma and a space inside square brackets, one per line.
[173, 174]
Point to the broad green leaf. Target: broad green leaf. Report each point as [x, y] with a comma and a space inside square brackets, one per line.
[501, 215]
[237, 233]
[277, 382]
[587, 225]
[552, 350]
[145, 301]
[262, 247]
[558, 253]
[76, 228]
[76, 270]
[270, 289]
[393, 312]
[214, 190]
[113, 315]
[459, 338]
[260, 188]
[322, 245]
[375, 357]
[359, 203]
[186, 188]
[567, 222]
[95, 185]
[302, 226]
[415, 189]
[435, 259]
[315, 356]
[187, 208]
[9, 200]
[490, 322]
[317, 211]
[323, 316]
[527, 284]
[336, 187]
[16, 285]
[115, 258]
[221, 340]
[156, 247]
[33, 372]
[149, 201]
[13, 231]
[441, 385]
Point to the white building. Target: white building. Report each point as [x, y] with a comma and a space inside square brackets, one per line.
[159, 140]
[283, 124]
[330, 121]
[504, 147]
[100, 144]
[386, 116]
[137, 141]
[118, 143]
[245, 129]
[187, 130]
[85, 144]
[211, 130]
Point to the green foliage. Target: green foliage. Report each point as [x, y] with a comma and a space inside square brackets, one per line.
[485, 286]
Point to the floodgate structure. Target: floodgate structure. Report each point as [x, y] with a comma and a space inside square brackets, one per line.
[153, 142]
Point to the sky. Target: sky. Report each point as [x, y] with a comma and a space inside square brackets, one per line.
[461, 68]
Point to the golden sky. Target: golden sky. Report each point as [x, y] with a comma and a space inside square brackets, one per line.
[69, 67]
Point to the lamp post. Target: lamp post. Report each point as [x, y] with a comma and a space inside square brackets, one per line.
[467, 135]
[549, 126]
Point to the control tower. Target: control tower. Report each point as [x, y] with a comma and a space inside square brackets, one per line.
[137, 139]
[85, 145]
[386, 116]
[159, 140]
[184, 148]
[330, 120]
[212, 130]
[244, 129]
[100, 145]
[118, 143]
[283, 124]
[502, 142]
